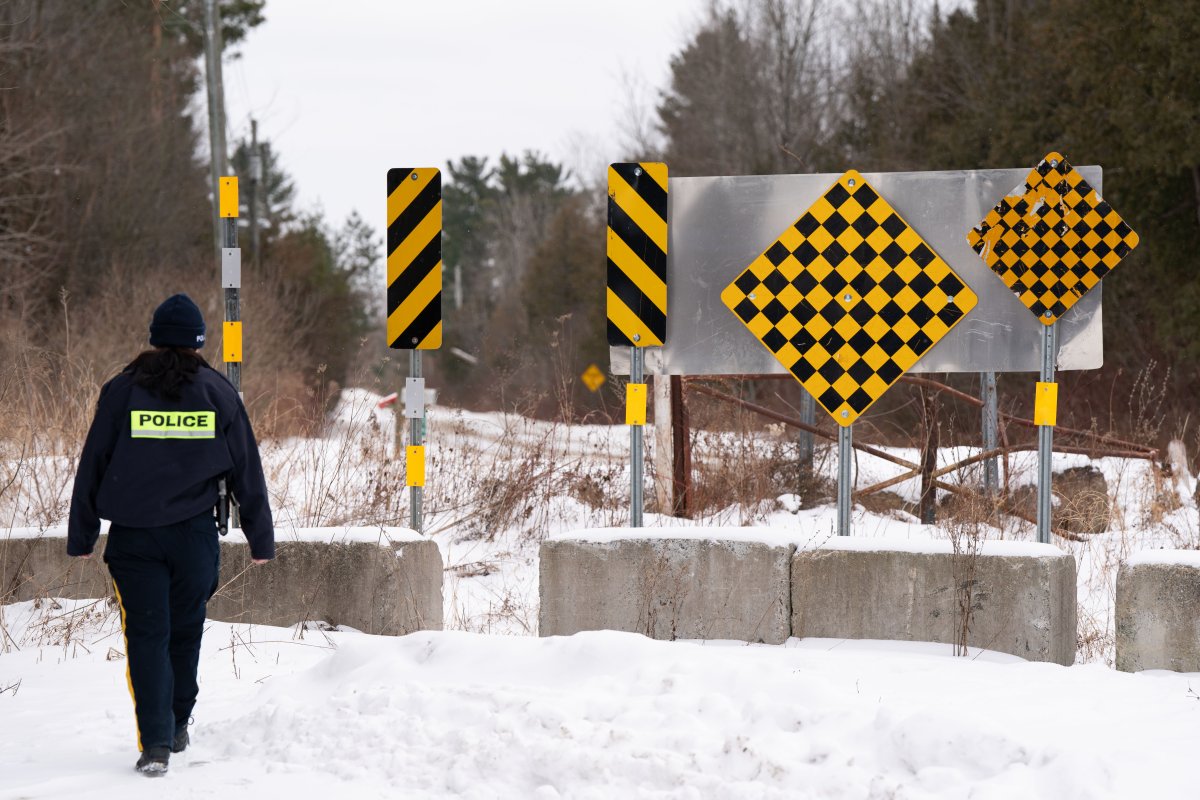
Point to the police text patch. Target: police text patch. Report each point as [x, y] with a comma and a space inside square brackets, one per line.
[173, 424]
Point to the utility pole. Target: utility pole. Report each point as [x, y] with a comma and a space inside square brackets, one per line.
[256, 176]
[218, 165]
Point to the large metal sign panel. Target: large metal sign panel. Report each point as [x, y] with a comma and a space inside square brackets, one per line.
[719, 225]
[1052, 239]
[848, 298]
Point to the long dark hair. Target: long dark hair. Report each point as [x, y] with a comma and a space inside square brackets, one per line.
[164, 371]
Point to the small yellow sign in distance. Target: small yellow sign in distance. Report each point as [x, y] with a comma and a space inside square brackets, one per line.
[635, 404]
[231, 340]
[228, 197]
[849, 298]
[593, 378]
[1053, 240]
[415, 465]
[1045, 404]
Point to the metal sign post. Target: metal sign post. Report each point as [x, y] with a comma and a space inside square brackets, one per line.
[991, 419]
[636, 422]
[218, 161]
[808, 415]
[1051, 241]
[414, 407]
[414, 300]
[231, 280]
[636, 304]
[231, 283]
[1044, 413]
[845, 459]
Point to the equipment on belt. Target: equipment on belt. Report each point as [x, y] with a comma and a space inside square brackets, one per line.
[225, 500]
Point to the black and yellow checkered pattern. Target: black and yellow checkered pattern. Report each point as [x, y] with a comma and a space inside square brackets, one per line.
[414, 259]
[1055, 241]
[848, 298]
[637, 254]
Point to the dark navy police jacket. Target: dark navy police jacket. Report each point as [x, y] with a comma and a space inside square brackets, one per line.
[149, 462]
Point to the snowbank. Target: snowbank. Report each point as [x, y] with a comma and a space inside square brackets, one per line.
[810, 539]
[1183, 558]
[594, 716]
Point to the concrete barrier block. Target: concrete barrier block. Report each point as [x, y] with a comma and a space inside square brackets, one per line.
[35, 565]
[665, 588]
[1158, 611]
[375, 587]
[389, 584]
[1022, 597]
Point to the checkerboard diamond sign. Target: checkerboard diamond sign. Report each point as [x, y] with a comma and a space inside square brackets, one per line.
[848, 298]
[1053, 239]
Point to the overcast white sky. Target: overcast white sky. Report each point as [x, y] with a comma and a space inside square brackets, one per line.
[346, 90]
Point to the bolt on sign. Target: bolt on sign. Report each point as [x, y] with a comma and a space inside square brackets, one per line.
[848, 298]
[414, 261]
[1053, 239]
[593, 378]
[637, 254]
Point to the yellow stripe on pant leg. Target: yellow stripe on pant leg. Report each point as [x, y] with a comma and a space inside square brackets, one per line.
[128, 674]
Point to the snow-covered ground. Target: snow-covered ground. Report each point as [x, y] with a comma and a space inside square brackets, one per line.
[476, 711]
[595, 715]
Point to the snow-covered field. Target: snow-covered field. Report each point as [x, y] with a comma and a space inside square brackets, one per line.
[477, 711]
[596, 715]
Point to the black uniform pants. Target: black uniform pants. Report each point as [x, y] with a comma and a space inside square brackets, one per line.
[164, 577]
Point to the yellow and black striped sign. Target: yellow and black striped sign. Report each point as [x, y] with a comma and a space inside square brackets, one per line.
[1052, 241]
[637, 254]
[414, 262]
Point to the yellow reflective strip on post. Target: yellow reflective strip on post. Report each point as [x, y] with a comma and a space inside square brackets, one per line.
[228, 197]
[233, 342]
[1045, 404]
[635, 404]
[415, 465]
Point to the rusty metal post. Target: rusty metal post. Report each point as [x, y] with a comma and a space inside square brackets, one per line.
[808, 415]
[681, 441]
[929, 406]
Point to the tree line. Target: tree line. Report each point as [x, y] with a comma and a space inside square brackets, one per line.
[105, 203]
[769, 86]
[787, 86]
[105, 209]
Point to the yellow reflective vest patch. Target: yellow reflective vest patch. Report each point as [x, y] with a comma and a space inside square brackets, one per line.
[173, 424]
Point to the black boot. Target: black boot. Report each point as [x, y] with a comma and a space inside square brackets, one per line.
[182, 740]
[153, 761]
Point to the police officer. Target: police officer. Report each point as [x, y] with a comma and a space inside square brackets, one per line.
[166, 430]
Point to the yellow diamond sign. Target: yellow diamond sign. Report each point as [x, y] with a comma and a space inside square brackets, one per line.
[592, 378]
[848, 298]
[1053, 239]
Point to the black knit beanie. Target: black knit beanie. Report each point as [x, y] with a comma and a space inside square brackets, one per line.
[177, 323]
